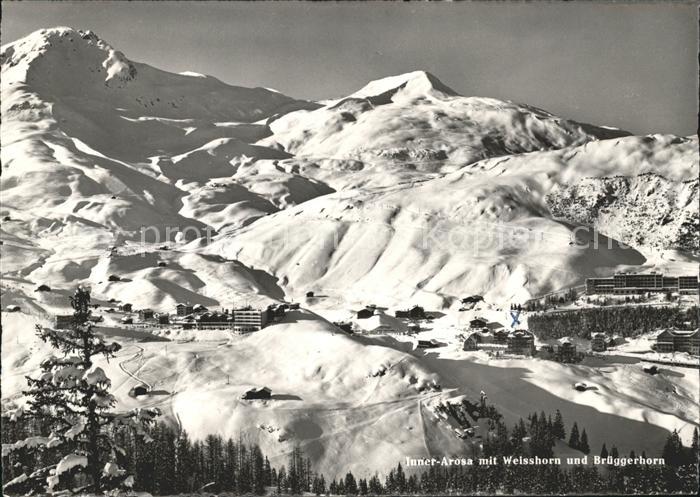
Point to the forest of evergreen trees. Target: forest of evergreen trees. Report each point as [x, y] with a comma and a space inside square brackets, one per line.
[171, 463]
[625, 321]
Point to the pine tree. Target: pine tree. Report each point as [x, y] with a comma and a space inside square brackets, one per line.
[400, 479]
[695, 445]
[363, 486]
[72, 396]
[583, 444]
[319, 485]
[604, 452]
[574, 438]
[281, 480]
[673, 450]
[558, 426]
[375, 486]
[350, 484]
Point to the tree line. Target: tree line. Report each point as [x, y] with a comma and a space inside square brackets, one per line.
[625, 321]
[168, 462]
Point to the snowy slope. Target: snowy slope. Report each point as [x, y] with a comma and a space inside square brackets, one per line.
[488, 228]
[406, 126]
[98, 149]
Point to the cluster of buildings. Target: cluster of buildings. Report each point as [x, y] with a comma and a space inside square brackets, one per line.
[630, 284]
[519, 342]
[242, 320]
[600, 342]
[188, 316]
[415, 312]
[677, 341]
[522, 342]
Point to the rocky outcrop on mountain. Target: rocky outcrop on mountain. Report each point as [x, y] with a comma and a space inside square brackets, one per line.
[644, 210]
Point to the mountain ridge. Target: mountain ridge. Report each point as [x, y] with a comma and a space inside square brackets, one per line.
[145, 148]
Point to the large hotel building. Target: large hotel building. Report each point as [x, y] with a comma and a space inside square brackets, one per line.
[627, 284]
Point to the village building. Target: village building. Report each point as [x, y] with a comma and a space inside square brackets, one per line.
[139, 390]
[650, 369]
[415, 312]
[598, 343]
[473, 299]
[365, 313]
[427, 344]
[263, 393]
[546, 351]
[163, 318]
[630, 284]
[146, 314]
[277, 311]
[500, 336]
[520, 342]
[247, 319]
[214, 320]
[671, 340]
[184, 309]
[566, 350]
[63, 321]
[477, 323]
[382, 324]
[471, 342]
[346, 327]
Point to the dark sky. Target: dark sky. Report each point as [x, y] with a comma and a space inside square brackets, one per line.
[632, 66]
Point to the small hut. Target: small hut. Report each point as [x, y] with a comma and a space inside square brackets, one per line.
[263, 393]
[139, 390]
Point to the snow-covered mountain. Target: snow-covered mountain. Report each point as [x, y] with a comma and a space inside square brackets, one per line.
[404, 192]
[96, 147]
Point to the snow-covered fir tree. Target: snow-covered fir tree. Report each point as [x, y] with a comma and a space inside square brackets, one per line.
[70, 399]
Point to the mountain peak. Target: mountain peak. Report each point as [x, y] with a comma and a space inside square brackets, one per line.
[413, 83]
[41, 53]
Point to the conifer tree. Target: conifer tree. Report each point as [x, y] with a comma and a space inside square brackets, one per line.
[375, 486]
[71, 396]
[558, 426]
[363, 486]
[604, 452]
[400, 479]
[350, 484]
[673, 450]
[319, 485]
[574, 437]
[583, 444]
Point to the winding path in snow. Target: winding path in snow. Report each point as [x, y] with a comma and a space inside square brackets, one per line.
[137, 355]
